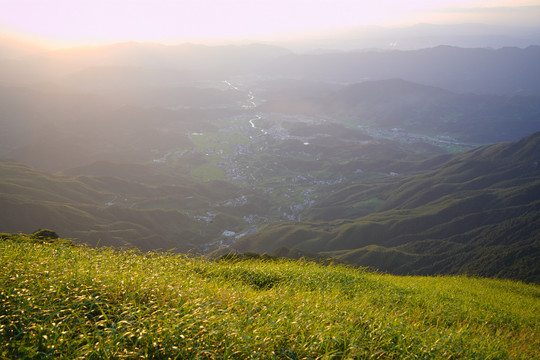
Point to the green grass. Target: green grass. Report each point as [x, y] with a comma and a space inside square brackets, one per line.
[63, 301]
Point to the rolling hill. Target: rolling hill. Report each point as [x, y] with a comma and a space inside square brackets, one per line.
[476, 212]
[111, 211]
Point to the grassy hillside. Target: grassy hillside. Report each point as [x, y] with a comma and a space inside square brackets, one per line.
[476, 212]
[59, 300]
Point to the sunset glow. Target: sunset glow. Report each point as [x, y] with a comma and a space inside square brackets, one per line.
[80, 22]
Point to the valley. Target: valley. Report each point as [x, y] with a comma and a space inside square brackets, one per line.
[227, 160]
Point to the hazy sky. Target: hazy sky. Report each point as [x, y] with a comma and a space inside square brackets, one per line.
[81, 22]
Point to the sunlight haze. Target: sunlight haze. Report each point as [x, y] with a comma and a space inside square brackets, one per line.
[61, 23]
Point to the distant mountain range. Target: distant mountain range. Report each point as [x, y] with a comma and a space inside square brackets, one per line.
[508, 70]
[408, 106]
[418, 36]
[490, 71]
[476, 212]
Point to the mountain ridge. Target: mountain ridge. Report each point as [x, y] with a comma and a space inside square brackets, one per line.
[457, 208]
[502, 71]
[401, 105]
